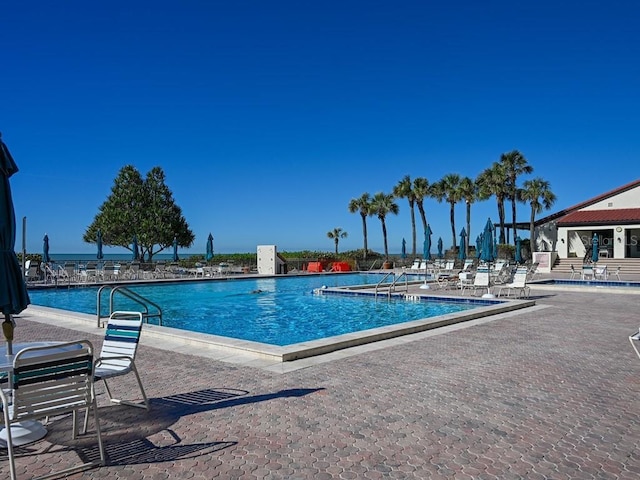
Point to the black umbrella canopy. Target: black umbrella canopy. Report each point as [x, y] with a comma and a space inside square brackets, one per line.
[13, 291]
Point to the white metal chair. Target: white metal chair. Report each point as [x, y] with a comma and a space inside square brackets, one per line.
[49, 381]
[118, 353]
[481, 281]
[574, 273]
[616, 272]
[518, 286]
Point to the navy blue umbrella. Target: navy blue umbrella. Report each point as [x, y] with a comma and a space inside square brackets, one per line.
[134, 247]
[209, 254]
[45, 249]
[403, 252]
[99, 255]
[594, 252]
[14, 297]
[486, 252]
[426, 253]
[462, 253]
[518, 256]
[440, 254]
[175, 249]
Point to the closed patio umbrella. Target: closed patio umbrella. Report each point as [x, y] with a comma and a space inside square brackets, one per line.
[175, 249]
[14, 297]
[209, 254]
[440, 255]
[99, 255]
[45, 249]
[403, 252]
[426, 253]
[478, 245]
[462, 253]
[518, 256]
[486, 252]
[134, 248]
[594, 251]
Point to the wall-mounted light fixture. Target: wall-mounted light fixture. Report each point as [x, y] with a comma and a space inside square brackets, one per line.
[562, 240]
[619, 239]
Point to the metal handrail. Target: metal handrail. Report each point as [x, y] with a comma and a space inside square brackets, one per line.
[382, 280]
[131, 295]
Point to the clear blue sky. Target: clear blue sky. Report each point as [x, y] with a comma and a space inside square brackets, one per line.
[269, 117]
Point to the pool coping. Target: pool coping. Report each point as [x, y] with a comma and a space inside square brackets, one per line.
[298, 351]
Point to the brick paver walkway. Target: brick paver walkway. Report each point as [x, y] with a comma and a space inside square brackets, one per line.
[548, 393]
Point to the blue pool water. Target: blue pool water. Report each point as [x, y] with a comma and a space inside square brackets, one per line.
[284, 312]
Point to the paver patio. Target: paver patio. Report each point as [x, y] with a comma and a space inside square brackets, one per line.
[549, 392]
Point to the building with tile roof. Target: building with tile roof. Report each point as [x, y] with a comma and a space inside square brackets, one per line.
[612, 217]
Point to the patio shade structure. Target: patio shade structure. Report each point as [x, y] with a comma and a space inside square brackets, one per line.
[594, 251]
[14, 297]
[486, 252]
[518, 255]
[478, 245]
[209, 254]
[440, 255]
[462, 253]
[403, 252]
[45, 249]
[99, 255]
[175, 249]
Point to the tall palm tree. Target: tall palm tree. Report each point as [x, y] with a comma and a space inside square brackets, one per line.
[404, 190]
[515, 165]
[362, 205]
[493, 182]
[421, 190]
[381, 205]
[448, 189]
[469, 193]
[336, 234]
[539, 195]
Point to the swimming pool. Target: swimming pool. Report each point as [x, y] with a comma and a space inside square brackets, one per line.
[278, 311]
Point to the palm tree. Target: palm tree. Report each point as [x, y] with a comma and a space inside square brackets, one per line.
[448, 189]
[362, 205]
[469, 193]
[539, 195]
[421, 190]
[515, 165]
[404, 190]
[381, 205]
[336, 234]
[493, 182]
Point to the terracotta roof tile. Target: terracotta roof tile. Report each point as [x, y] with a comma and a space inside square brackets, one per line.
[618, 216]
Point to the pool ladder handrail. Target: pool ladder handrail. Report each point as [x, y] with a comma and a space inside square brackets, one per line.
[392, 286]
[131, 295]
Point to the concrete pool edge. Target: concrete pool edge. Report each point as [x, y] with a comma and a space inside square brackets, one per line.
[289, 353]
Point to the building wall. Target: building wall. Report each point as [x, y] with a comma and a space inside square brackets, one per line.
[628, 199]
[619, 241]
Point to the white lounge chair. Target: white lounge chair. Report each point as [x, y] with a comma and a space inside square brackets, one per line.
[518, 286]
[481, 281]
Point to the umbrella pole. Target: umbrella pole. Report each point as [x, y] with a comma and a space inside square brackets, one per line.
[7, 330]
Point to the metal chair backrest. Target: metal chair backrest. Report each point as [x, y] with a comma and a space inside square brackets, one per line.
[121, 340]
[47, 381]
[52, 378]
